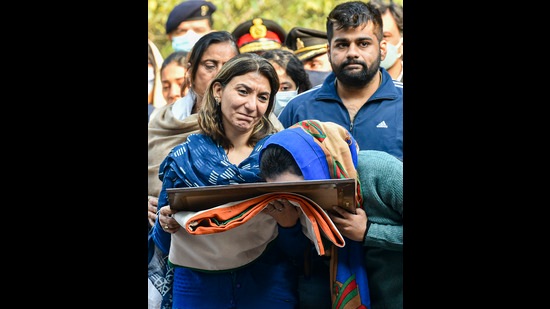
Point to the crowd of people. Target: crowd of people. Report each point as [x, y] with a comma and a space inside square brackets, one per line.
[260, 104]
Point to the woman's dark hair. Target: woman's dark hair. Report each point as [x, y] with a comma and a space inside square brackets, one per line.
[177, 57]
[276, 160]
[200, 47]
[293, 66]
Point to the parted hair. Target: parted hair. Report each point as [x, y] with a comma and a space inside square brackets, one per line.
[200, 48]
[177, 57]
[276, 160]
[210, 113]
[354, 14]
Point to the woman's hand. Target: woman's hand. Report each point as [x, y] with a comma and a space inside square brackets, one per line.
[283, 212]
[167, 222]
[152, 203]
[353, 226]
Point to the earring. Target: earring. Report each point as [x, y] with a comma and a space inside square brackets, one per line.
[217, 100]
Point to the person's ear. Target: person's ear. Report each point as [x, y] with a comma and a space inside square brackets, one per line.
[383, 49]
[217, 90]
[400, 50]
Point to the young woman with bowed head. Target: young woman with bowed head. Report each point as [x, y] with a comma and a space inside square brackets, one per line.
[313, 149]
[233, 122]
[172, 75]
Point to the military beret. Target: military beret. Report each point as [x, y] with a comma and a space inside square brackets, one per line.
[259, 34]
[189, 10]
[306, 43]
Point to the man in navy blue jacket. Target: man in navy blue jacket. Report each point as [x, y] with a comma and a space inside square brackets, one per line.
[359, 94]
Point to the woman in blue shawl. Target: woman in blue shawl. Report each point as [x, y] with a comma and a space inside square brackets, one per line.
[312, 150]
[234, 125]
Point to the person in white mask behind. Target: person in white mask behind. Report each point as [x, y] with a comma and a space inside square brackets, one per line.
[293, 77]
[392, 17]
[188, 22]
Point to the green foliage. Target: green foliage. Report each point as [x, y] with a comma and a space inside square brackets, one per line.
[288, 13]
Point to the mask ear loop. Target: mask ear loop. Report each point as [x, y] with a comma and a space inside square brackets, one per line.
[399, 45]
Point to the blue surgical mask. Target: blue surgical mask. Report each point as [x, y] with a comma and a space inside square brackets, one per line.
[281, 100]
[317, 77]
[392, 55]
[185, 42]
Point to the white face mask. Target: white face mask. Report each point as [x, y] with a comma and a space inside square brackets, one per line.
[391, 55]
[281, 100]
[185, 42]
[151, 79]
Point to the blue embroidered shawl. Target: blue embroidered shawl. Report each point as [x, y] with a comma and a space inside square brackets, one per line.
[200, 162]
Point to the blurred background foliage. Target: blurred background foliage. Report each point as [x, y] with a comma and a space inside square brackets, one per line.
[288, 13]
